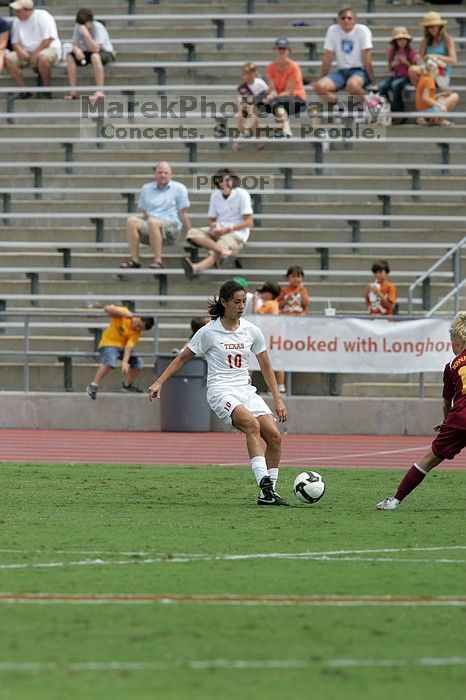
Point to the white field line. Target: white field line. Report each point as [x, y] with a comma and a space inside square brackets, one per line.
[233, 664]
[330, 556]
[228, 600]
[350, 455]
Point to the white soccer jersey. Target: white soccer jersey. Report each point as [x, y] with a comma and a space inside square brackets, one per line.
[227, 352]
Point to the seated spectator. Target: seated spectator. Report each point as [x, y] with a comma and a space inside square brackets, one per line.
[229, 223]
[250, 94]
[35, 43]
[350, 44]
[438, 45]
[267, 294]
[381, 294]
[250, 297]
[91, 45]
[5, 44]
[164, 204]
[287, 94]
[400, 57]
[428, 100]
[117, 345]
[198, 322]
[294, 301]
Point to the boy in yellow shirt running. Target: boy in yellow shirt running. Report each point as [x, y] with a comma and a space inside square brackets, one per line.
[117, 344]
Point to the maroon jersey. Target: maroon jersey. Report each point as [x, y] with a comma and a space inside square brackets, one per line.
[454, 390]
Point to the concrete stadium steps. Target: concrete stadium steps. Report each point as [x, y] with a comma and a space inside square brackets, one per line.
[48, 376]
[116, 234]
[390, 389]
[108, 177]
[352, 207]
[89, 284]
[250, 259]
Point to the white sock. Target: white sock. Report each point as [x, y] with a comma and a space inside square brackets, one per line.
[259, 468]
[273, 473]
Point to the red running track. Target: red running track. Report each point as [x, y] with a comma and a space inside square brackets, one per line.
[107, 447]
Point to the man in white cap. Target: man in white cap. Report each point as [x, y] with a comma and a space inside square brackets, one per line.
[35, 43]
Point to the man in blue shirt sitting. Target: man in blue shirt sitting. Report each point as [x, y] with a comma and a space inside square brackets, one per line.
[164, 204]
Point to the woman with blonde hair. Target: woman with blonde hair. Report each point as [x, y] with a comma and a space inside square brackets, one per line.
[451, 433]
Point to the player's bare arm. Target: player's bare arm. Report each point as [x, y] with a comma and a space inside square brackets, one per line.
[117, 312]
[155, 389]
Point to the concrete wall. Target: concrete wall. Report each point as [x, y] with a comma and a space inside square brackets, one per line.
[324, 415]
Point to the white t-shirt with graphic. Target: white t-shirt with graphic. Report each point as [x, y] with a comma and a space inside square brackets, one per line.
[230, 210]
[227, 352]
[348, 46]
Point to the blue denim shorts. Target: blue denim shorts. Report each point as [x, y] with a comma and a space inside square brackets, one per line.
[341, 77]
[112, 356]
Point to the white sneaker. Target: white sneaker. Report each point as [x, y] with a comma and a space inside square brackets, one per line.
[282, 388]
[390, 503]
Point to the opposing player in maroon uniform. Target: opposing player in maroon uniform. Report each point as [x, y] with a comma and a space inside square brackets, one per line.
[451, 434]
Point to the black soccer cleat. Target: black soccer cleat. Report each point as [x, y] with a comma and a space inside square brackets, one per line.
[269, 497]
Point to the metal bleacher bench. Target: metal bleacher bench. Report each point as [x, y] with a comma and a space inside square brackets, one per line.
[68, 143]
[384, 195]
[33, 274]
[323, 248]
[353, 220]
[250, 16]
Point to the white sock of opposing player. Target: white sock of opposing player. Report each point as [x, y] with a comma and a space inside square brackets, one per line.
[273, 473]
[259, 468]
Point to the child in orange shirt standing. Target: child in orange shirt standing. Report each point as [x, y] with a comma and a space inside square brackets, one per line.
[380, 294]
[427, 100]
[293, 300]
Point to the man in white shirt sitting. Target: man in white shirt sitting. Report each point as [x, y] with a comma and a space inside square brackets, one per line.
[35, 42]
[350, 44]
[229, 223]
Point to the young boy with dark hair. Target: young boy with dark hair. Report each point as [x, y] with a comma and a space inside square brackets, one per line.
[117, 344]
[380, 295]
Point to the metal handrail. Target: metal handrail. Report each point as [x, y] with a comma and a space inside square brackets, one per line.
[452, 253]
[453, 292]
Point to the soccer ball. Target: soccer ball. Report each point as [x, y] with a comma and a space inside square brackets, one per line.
[309, 487]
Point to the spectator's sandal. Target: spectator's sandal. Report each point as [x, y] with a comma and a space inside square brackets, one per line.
[156, 265]
[130, 265]
[188, 268]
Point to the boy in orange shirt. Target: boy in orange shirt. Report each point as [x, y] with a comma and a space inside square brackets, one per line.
[380, 295]
[117, 344]
[427, 100]
[268, 293]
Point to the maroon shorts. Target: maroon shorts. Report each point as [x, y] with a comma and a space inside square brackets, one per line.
[449, 442]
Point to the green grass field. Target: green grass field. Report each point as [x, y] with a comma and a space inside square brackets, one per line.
[88, 535]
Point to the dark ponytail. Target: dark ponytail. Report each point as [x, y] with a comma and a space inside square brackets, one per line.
[226, 292]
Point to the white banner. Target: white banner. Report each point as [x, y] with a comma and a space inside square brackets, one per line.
[308, 344]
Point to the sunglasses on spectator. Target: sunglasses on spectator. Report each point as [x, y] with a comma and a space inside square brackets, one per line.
[347, 17]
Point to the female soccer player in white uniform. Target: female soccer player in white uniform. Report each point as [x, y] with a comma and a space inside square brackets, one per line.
[225, 343]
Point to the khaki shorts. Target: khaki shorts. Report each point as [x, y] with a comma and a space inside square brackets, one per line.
[52, 55]
[230, 241]
[170, 231]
